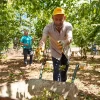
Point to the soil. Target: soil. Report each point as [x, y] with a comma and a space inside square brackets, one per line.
[87, 79]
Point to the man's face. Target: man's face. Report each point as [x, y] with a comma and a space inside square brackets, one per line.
[58, 20]
[26, 33]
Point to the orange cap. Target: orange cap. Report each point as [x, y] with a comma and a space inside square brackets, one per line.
[58, 10]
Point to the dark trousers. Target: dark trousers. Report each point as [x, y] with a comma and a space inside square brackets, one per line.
[26, 52]
[60, 75]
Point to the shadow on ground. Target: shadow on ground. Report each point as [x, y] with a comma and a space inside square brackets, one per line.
[13, 70]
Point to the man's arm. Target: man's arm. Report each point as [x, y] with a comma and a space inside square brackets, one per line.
[44, 36]
[42, 41]
[68, 38]
[23, 44]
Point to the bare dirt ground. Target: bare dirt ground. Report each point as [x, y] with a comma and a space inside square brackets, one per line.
[87, 80]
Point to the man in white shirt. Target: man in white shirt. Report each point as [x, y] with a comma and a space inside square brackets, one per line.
[58, 30]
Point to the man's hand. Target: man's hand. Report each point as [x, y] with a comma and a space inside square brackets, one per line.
[42, 45]
[25, 44]
[60, 45]
[67, 42]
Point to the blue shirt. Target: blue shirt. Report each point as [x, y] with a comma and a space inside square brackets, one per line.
[27, 40]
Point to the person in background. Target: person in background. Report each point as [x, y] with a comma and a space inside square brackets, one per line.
[15, 43]
[94, 49]
[26, 41]
[60, 34]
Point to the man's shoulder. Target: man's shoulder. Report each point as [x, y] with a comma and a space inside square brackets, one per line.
[49, 25]
[30, 37]
[67, 24]
[22, 37]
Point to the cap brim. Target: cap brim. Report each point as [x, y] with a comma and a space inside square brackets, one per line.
[59, 14]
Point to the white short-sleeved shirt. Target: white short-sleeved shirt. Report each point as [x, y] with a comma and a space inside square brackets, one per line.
[51, 31]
